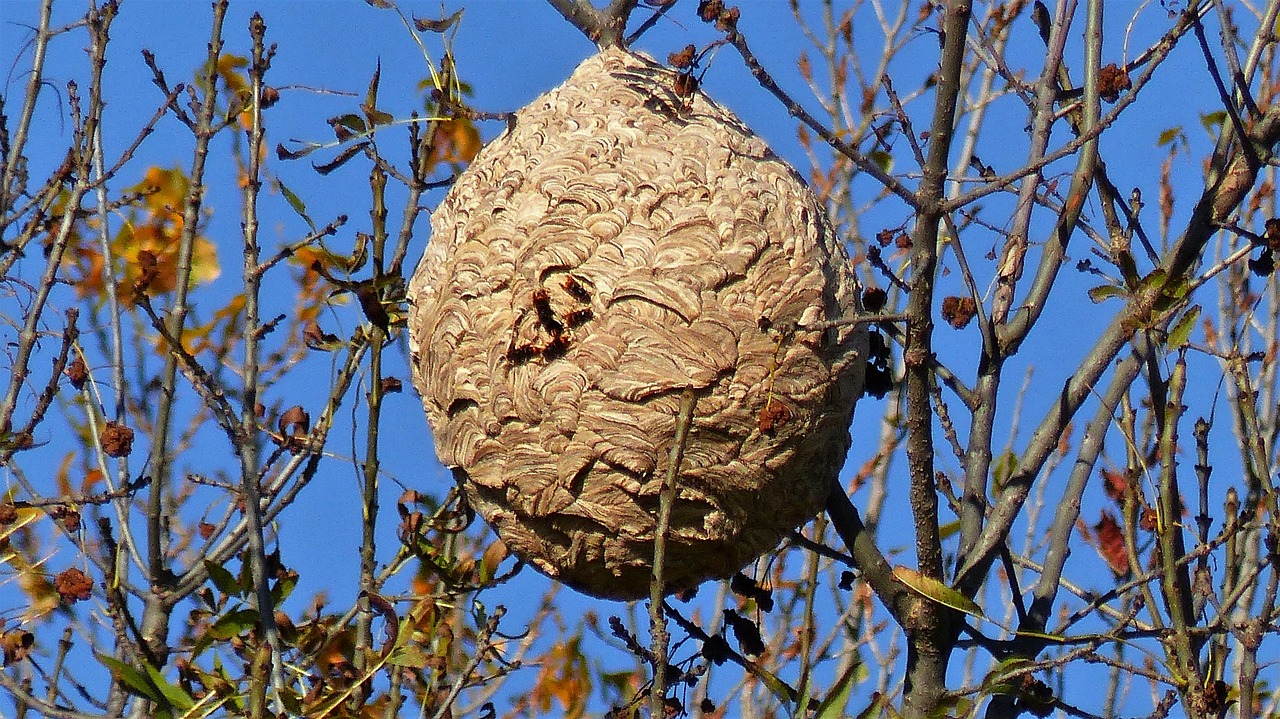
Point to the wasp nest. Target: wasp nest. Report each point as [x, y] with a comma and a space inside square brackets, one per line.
[620, 243]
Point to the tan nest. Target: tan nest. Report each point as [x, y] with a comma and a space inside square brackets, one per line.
[618, 244]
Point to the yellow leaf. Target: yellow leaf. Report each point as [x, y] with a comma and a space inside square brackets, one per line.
[932, 589]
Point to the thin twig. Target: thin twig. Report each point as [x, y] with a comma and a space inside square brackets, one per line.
[658, 586]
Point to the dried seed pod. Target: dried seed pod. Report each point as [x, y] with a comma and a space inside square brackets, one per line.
[701, 260]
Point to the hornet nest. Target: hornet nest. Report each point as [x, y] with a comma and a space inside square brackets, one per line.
[624, 240]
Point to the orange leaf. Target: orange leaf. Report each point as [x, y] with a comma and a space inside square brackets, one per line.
[1111, 544]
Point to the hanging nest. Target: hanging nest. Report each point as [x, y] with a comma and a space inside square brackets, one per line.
[620, 243]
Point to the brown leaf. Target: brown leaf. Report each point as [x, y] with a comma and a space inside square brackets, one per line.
[317, 339]
[774, 415]
[73, 586]
[709, 10]
[371, 303]
[959, 311]
[684, 58]
[392, 385]
[294, 425]
[66, 515]
[1111, 544]
[686, 83]
[77, 373]
[117, 440]
[493, 557]
[1113, 80]
[441, 25]
[1148, 519]
[380, 605]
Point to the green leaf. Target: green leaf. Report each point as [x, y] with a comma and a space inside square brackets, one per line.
[224, 580]
[879, 708]
[411, 656]
[1181, 330]
[1006, 465]
[238, 701]
[779, 688]
[1157, 278]
[292, 703]
[1104, 292]
[833, 706]
[882, 159]
[1176, 288]
[1212, 121]
[296, 203]
[948, 529]
[177, 698]
[997, 680]
[345, 126]
[1169, 135]
[233, 624]
[283, 588]
[932, 589]
[133, 680]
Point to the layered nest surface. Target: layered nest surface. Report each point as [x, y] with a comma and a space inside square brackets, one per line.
[622, 241]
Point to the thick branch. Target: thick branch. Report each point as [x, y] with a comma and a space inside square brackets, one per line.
[606, 27]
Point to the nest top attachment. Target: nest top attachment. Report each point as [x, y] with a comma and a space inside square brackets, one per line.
[624, 240]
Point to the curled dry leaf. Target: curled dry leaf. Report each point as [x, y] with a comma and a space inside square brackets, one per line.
[379, 605]
[317, 339]
[117, 440]
[1113, 80]
[1110, 544]
[294, 425]
[73, 585]
[959, 311]
[441, 25]
[1148, 519]
[774, 415]
[77, 373]
[66, 515]
[617, 245]
[684, 58]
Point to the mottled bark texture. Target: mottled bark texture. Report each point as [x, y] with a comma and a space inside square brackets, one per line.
[619, 243]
